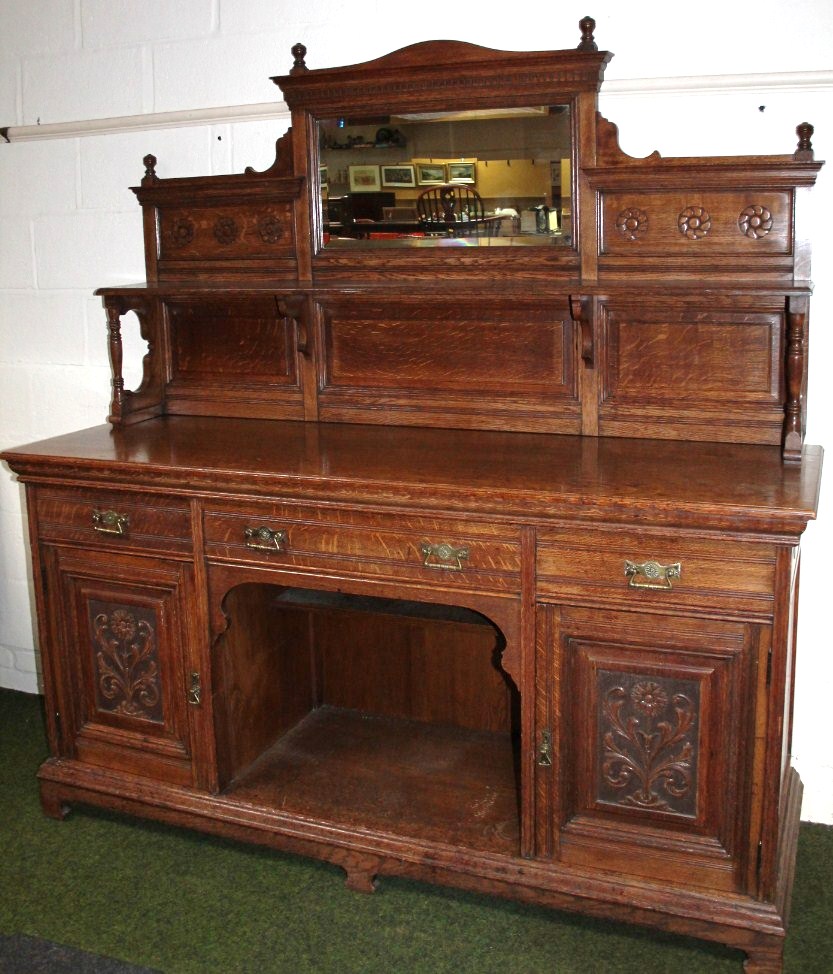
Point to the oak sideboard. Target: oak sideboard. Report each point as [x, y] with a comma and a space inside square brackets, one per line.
[453, 546]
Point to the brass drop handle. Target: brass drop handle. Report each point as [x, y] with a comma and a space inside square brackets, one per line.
[443, 557]
[265, 539]
[110, 522]
[652, 575]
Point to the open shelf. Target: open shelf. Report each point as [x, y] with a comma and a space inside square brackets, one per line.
[431, 782]
[370, 713]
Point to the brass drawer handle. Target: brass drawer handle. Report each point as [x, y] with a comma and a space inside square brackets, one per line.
[656, 576]
[265, 539]
[443, 557]
[110, 522]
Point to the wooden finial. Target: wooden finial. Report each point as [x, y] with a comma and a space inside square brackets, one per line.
[587, 25]
[804, 152]
[299, 52]
[150, 169]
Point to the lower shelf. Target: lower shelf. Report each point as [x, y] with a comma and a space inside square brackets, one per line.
[424, 781]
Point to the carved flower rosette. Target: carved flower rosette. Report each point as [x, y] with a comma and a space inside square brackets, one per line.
[226, 230]
[181, 232]
[694, 222]
[270, 229]
[755, 222]
[632, 223]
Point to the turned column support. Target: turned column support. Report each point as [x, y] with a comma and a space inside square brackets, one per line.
[114, 310]
[794, 375]
[132, 405]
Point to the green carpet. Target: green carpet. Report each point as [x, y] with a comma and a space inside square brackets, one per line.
[184, 903]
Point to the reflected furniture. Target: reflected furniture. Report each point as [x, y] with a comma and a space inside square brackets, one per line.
[452, 559]
[457, 208]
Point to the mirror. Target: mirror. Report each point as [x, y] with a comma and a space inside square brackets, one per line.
[493, 177]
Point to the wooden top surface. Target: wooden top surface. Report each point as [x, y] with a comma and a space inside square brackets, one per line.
[520, 475]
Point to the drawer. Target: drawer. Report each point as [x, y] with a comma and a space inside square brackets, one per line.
[361, 544]
[643, 568]
[121, 519]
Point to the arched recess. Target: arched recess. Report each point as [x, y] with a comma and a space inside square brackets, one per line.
[366, 710]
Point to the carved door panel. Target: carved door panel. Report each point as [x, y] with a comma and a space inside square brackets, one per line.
[647, 744]
[120, 630]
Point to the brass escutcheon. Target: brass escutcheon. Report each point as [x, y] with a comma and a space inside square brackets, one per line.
[545, 750]
[194, 693]
[656, 576]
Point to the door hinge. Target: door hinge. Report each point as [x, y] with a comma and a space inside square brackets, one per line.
[759, 860]
[194, 694]
[769, 667]
[545, 749]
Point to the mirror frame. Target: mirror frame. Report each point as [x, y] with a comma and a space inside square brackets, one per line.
[443, 76]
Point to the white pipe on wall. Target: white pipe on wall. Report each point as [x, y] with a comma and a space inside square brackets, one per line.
[713, 84]
[265, 111]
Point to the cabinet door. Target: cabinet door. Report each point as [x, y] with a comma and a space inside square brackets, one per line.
[647, 744]
[119, 625]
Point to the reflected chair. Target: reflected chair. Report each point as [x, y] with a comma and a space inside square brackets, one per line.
[454, 209]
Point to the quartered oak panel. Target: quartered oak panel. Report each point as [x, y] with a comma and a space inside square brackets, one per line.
[233, 358]
[431, 360]
[670, 369]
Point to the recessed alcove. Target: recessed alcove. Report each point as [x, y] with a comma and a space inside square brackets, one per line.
[388, 714]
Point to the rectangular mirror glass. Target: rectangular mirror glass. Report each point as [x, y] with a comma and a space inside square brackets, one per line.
[493, 177]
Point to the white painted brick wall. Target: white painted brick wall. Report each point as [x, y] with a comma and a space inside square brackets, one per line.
[258, 16]
[38, 26]
[82, 84]
[10, 91]
[33, 165]
[72, 249]
[60, 316]
[185, 73]
[68, 222]
[126, 23]
[17, 267]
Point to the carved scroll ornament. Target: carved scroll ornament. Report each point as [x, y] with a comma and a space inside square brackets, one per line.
[127, 665]
[649, 744]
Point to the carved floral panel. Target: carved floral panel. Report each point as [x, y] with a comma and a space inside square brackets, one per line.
[647, 742]
[641, 223]
[226, 232]
[126, 671]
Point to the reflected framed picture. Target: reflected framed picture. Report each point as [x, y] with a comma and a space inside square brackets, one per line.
[364, 179]
[395, 176]
[430, 173]
[462, 172]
